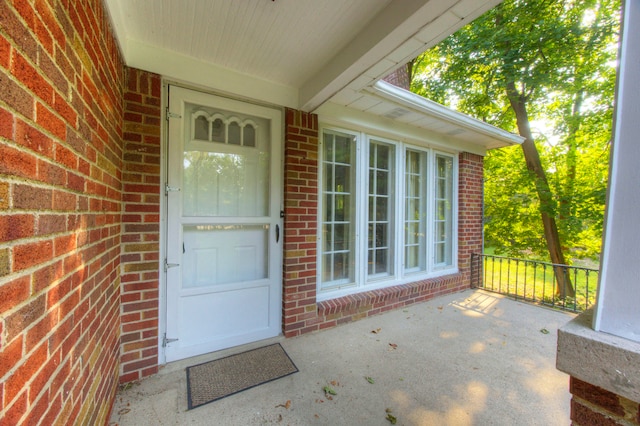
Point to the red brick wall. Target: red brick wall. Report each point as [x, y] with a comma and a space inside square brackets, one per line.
[300, 223]
[400, 78]
[61, 79]
[592, 405]
[470, 210]
[141, 229]
[301, 313]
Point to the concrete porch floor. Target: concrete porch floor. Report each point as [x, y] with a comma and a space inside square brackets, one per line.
[470, 358]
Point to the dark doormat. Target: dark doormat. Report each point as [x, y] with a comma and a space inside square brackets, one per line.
[216, 379]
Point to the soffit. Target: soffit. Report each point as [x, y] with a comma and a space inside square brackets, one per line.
[301, 53]
[296, 53]
[283, 41]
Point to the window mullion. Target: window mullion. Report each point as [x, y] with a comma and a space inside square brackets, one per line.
[399, 211]
[361, 209]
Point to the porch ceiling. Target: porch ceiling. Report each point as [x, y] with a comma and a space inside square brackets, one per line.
[297, 53]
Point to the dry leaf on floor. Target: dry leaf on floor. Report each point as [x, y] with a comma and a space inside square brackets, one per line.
[376, 331]
[544, 331]
[393, 346]
[370, 379]
[286, 405]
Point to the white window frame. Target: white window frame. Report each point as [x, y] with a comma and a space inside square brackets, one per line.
[362, 281]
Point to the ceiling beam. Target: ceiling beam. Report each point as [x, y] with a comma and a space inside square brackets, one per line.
[394, 26]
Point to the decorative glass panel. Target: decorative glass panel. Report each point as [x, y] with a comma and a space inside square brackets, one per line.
[201, 128]
[249, 136]
[218, 130]
[234, 133]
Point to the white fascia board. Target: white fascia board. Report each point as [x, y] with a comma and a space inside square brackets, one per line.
[186, 69]
[430, 108]
[342, 116]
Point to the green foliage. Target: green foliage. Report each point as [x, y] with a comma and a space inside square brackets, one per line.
[561, 57]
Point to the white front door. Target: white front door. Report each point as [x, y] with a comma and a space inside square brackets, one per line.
[224, 231]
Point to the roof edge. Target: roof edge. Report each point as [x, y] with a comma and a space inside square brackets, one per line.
[423, 105]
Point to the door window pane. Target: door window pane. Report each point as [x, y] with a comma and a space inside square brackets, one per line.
[220, 178]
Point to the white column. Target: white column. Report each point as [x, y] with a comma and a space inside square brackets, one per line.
[618, 303]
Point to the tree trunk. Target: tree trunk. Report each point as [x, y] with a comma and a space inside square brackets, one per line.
[566, 200]
[534, 165]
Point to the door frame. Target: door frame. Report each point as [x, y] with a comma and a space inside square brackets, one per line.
[164, 222]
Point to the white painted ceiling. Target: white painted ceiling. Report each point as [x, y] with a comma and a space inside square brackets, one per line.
[284, 41]
[296, 53]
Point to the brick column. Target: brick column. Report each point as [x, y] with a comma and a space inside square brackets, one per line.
[141, 229]
[592, 405]
[300, 223]
[470, 210]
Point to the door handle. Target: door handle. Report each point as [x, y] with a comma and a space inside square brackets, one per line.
[277, 233]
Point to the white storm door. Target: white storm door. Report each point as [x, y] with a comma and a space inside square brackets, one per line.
[224, 231]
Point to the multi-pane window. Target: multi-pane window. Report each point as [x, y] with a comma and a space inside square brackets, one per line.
[443, 206]
[338, 212]
[415, 211]
[388, 213]
[380, 224]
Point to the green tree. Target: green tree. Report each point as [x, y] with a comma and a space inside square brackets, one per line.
[539, 61]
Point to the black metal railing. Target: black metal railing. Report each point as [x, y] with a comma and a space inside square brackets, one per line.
[537, 282]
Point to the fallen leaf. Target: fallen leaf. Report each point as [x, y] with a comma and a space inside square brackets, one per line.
[370, 380]
[316, 416]
[279, 418]
[440, 308]
[335, 383]
[376, 331]
[124, 411]
[391, 418]
[328, 390]
[388, 410]
[544, 331]
[286, 405]
[393, 345]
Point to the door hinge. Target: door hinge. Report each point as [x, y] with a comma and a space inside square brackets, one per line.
[168, 265]
[166, 341]
[172, 114]
[168, 189]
